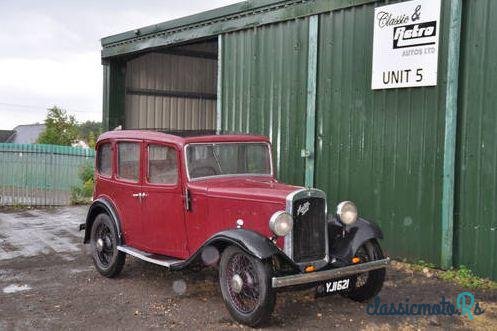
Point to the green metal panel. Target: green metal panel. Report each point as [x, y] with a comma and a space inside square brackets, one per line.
[105, 96]
[264, 89]
[476, 181]
[113, 94]
[382, 149]
[40, 174]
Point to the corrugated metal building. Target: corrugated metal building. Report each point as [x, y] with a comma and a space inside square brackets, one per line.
[421, 161]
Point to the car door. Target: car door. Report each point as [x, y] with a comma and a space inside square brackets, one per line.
[162, 206]
[127, 189]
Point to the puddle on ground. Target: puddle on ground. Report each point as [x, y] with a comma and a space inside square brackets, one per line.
[38, 232]
[13, 288]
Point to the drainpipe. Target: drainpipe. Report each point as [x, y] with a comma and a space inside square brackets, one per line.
[450, 134]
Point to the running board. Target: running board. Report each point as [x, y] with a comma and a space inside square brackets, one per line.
[164, 261]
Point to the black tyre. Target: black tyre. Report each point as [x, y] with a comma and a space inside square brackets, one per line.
[103, 241]
[245, 283]
[367, 285]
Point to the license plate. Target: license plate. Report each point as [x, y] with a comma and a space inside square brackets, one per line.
[333, 286]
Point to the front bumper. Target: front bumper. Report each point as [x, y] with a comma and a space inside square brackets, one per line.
[314, 277]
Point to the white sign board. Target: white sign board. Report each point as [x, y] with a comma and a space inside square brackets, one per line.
[405, 44]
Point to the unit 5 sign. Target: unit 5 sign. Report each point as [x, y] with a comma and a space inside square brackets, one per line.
[405, 44]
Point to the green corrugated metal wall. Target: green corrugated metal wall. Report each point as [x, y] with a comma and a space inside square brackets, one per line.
[372, 147]
[264, 89]
[476, 182]
[382, 149]
[114, 87]
[40, 175]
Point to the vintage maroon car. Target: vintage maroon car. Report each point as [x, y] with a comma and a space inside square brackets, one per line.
[213, 200]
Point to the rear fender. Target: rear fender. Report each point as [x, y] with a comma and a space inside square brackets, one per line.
[102, 205]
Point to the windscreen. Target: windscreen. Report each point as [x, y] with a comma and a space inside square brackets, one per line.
[225, 159]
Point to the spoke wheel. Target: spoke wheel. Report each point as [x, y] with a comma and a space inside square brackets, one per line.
[242, 283]
[362, 279]
[368, 284]
[246, 287]
[104, 245]
[107, 259]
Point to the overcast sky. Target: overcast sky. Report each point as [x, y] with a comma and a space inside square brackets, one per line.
[50, 51]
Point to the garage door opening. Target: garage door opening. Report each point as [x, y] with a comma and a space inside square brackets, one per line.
[173, 88]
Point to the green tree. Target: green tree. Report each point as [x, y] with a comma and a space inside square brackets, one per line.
[88, 131]
[91, 140]
[60, 128]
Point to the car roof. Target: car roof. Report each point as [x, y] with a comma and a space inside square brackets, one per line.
[181, 138]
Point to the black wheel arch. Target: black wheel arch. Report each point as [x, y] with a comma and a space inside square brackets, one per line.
[248, 241]
[346, 240]
[102, 205]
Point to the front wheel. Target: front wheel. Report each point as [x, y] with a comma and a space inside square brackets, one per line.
[368, 284]
[245, 283]
[103, 240]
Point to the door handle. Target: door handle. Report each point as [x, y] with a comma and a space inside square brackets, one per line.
[140, 195]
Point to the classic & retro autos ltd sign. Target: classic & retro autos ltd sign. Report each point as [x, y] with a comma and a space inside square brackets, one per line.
[405, 44]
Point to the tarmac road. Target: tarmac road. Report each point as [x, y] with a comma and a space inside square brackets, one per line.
[47, 281]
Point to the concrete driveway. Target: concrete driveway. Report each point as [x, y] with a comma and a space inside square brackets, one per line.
[47, 281]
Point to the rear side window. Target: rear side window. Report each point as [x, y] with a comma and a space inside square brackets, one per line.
[104, 160]
[162, 165]
[128, 164]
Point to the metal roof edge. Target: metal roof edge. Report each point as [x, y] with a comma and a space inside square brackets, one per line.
[205, 16]
[265, 12]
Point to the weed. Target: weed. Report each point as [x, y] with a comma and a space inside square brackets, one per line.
[421, 264]
[465, 277]
[82, 194]
[462, 275]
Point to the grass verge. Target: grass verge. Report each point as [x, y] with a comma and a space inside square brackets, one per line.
[461, 275]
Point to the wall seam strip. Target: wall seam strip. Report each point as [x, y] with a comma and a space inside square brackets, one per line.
[219, 103]
[451, 96]
[310, 134]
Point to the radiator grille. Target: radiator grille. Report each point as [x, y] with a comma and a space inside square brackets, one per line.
[309, 229]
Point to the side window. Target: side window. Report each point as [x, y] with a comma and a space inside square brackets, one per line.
[104, 160]
[128, 164]
[162, 165]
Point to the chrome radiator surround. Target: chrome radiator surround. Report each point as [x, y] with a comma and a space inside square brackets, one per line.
[288, 246]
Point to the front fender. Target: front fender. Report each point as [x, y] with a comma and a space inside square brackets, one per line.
[248, 241]
[346, 240]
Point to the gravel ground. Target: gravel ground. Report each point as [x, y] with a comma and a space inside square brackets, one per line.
[47, 281]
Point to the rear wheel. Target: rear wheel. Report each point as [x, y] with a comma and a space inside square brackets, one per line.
[368, 284]
[103, 240]
[245, 283]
